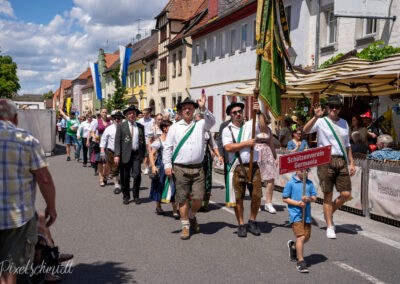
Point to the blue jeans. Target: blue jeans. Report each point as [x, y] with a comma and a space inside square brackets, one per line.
[78, 148]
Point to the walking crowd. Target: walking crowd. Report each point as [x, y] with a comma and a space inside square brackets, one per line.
[178, 157]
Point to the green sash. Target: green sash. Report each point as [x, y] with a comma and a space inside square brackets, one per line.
[230, 198]
[338, 139]
[169, 187]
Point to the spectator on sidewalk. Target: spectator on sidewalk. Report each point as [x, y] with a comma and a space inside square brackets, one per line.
[297, 144]
[26, 167]
[385, 152]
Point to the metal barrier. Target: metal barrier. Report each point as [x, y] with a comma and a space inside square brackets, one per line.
[41, 124]
[374, 189]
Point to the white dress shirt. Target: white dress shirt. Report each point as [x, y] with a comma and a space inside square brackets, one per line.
[148, 123]
[84, 128]
[192, 151]
[108, 137]
[246, 135]
[135, 135]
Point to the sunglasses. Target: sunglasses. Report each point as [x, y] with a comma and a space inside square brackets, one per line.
[117, 118]
[237, 112]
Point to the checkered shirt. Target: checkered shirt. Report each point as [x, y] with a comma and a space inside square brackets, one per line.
[20, 153]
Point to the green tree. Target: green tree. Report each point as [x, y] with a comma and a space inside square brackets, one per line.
[117, 101]
[48, 95]
[9, 82]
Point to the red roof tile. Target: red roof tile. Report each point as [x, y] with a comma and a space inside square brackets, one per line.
[84, 75]
[111, 59]
[181, 9]
[65, 83]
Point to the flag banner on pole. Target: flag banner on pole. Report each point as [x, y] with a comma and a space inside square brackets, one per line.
[124, 56]
[271, 30]
[94, 68]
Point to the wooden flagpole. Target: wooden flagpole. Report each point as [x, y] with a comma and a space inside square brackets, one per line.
[256, 92]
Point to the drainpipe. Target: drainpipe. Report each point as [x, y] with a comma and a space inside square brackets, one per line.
[317, 31]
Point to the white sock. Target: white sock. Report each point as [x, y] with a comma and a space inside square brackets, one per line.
[185, 224]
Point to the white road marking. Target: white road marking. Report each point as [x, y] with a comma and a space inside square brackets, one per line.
[377, 238]
[370, 235]
[222, 207]
[364, 275]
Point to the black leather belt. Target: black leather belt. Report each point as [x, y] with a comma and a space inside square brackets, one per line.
[192, 166]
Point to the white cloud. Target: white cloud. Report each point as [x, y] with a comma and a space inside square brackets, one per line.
[45, 54]
[122, 12]
[6, 9]
[24, 74]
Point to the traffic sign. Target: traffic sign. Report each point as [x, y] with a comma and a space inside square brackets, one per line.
[305, 159]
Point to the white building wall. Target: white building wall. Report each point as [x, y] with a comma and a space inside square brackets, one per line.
[226, 70]
[110, 86]
[152, 88]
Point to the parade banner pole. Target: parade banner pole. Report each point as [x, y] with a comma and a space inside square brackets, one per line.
[304, 193]
[256, 91]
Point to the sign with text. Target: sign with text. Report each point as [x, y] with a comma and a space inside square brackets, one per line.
[305, 159]
[362, 8]
[384, 194]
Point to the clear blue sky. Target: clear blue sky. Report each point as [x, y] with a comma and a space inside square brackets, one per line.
[40, 12]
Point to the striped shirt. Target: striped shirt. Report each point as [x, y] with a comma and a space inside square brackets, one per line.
[20, 153]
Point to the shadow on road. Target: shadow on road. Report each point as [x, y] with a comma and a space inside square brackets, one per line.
[266, 227]
[315, 259]
[59, 150]
[213, 227]
[350, 229]
[98, 272]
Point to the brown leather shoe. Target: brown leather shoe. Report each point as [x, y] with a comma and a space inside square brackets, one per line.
[194, 225]
[65, 257]
[185, 233]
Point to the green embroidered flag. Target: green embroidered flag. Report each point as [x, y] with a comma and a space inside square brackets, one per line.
[271, 48]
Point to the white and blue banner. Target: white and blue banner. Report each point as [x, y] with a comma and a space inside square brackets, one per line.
[94, 68]
[124, 56]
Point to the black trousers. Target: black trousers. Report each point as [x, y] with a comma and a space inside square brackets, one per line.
[61, 135]
[84, 150]
[125, 171]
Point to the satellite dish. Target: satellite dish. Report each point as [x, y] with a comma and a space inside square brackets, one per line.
[138, 37]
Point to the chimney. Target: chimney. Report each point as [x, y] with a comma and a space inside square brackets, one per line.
[213, 8]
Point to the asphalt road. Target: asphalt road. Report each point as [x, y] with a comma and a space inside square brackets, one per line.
[116, 243]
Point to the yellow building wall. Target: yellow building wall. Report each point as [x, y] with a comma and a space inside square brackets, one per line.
[136, 84]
